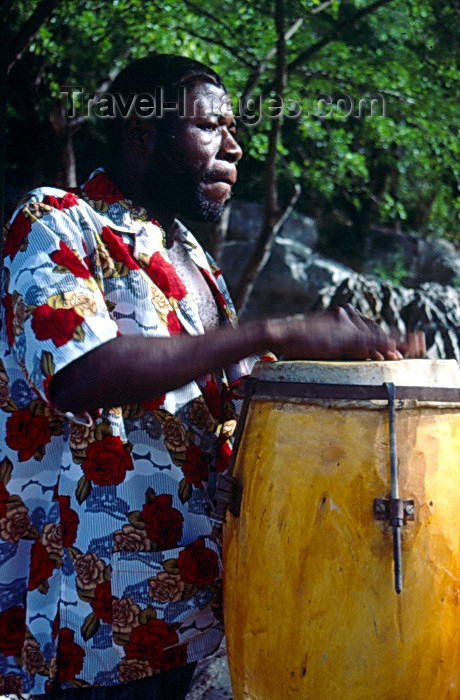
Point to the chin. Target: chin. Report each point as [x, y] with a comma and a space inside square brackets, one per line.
[204, 210]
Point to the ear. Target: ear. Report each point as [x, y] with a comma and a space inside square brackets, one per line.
[140, 134]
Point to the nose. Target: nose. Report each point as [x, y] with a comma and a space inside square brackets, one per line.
[229, 150]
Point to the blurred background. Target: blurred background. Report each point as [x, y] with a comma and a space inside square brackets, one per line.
[348, 114]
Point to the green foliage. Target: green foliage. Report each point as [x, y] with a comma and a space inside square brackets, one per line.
[401, 167]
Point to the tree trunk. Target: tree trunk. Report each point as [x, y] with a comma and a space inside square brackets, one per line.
[272, 214]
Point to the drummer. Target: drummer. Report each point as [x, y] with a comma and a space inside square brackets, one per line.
[153, 342]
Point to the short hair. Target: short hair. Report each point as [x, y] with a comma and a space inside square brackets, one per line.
[156, 71]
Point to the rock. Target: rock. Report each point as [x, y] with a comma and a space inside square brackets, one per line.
[297, 280]
[211, 680]
[419, 259]
[246, 221]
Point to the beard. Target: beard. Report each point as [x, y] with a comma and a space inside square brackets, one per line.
[177, 187]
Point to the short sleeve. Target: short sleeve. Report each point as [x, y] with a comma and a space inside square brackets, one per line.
[54, 306]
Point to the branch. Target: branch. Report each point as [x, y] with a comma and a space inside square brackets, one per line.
[273, 217]
[260, 68]
[29, 29]
[200, 11]
[222, 44]
[335, 33]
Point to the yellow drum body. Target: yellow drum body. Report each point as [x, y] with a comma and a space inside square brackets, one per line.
[310, 607]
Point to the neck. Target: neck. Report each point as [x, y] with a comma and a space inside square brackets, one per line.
[130, 182]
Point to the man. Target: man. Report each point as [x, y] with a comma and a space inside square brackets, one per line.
[117, 414]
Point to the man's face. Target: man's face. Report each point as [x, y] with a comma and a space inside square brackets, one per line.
[193, 166]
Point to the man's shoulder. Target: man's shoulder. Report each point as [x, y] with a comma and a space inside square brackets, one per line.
[44, 199]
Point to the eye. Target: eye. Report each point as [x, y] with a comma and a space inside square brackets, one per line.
[208, 126]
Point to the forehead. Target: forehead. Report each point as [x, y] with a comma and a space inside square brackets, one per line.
[206, 99]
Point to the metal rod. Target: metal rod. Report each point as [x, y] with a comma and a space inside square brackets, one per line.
[396, 522]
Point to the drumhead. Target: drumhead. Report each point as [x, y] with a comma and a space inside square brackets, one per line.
[410, 373]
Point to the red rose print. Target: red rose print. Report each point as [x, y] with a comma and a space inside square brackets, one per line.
[213, 399]
[174, 326]
[70, 656]
[163, 523]
[4, 495]
[198, 564]
[65, 202]
[26, 433]
[102, 602]
[195, 468]
[118, 249]
[101, 187]
[12, 630]
[215, 289]
[57, 325]
[223, 454]
[41, 566]
[153, 404]
[67, 258]
[165, 277]
[173, 658]
[9, 316]
[69, 521]
[18, 230]
[107, 461]
[148, 642]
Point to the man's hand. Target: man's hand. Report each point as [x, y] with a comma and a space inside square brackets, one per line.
[342, 333]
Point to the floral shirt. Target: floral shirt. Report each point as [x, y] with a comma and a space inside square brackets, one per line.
[107, 572]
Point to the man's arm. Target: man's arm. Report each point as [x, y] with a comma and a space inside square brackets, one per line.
[131, 369]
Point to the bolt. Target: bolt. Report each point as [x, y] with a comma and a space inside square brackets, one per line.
[410, 509]
[380, 507]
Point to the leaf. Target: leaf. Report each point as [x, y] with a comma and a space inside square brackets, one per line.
[149, 495]
[14, 501]
[74, 552]
[185, 490]
[161, 414]
[102, 430]
[10, 406]
[121, 639]
[136, 520]
[18, 660]
[170, 566]
[133, 411]
[79, 334]
[78, 683]
[79, 456]
[190, 436]
[128, 446]
[44, 586]
[40, 453]
[57, 301]
[85, 596]
[121, 269]
[47, 364]
[94, 284]
[45, 670]
[109, 305]
[37, 407]
[83, 489]
[56, 559]
[31, 534]
[147, 614]
[189, 591]
[178, 458]
[60, 269]
[90, 626]
[6, 467]
[107, 575]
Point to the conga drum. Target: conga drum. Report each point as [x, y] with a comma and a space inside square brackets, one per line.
[318, 602]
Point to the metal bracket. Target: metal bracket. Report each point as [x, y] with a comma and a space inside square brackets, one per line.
[394, 510]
